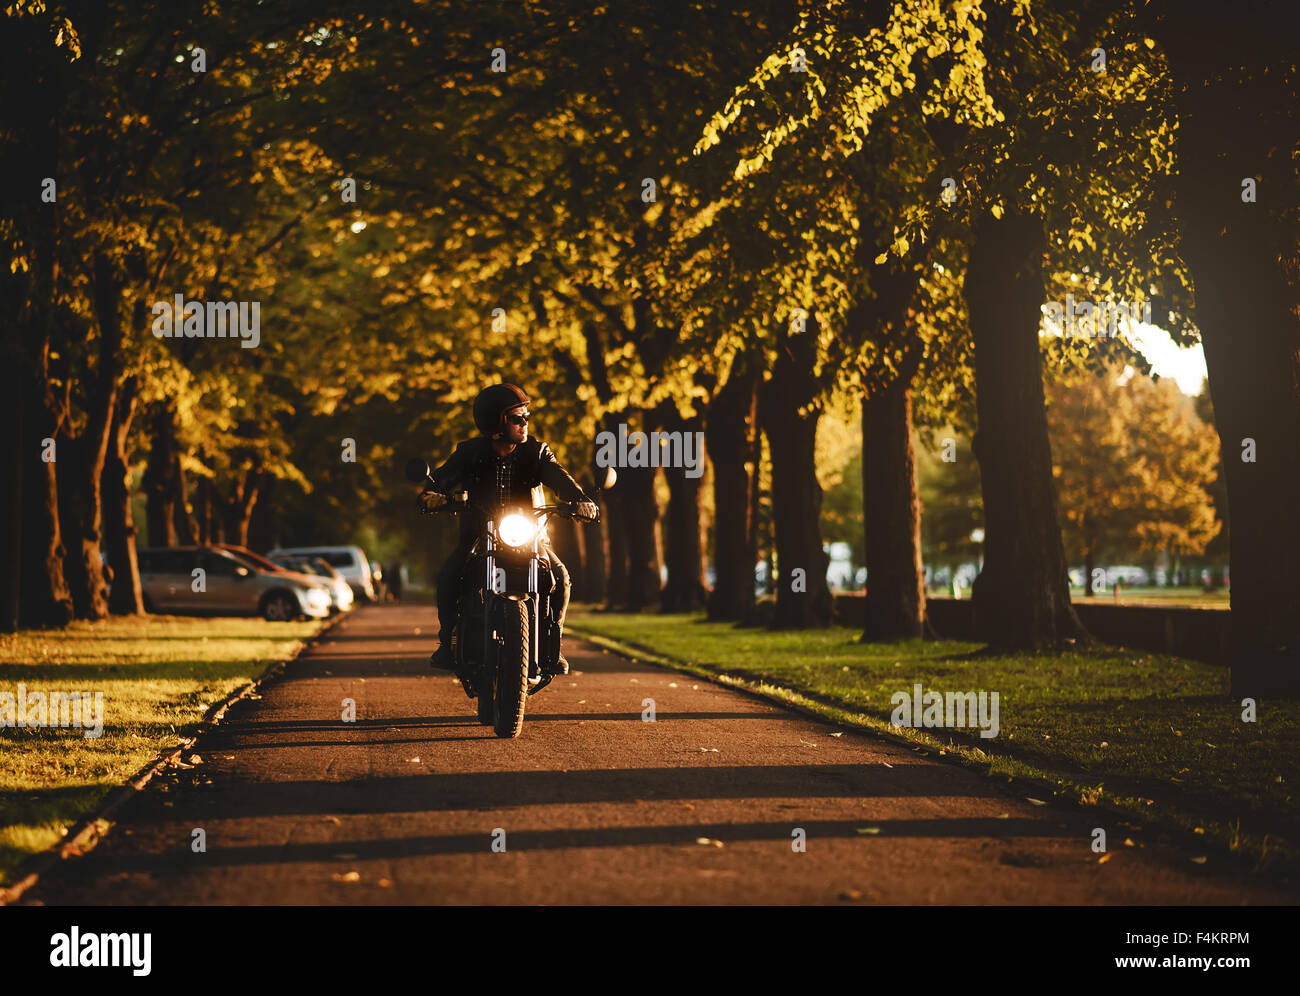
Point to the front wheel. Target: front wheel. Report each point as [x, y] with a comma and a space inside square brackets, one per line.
[512, 670]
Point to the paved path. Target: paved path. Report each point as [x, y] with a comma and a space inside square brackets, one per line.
[597, 806]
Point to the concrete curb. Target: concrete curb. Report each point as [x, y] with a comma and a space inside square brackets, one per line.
[86, 833]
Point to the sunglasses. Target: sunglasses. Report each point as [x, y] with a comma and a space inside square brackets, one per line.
[520, 419]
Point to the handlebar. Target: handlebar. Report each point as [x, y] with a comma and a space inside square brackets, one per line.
[570, 509]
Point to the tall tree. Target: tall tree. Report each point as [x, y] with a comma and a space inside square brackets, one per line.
[1133, 464]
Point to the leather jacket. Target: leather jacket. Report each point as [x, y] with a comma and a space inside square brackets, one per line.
[494, 482]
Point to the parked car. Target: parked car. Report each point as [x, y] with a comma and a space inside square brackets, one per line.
[318, 567]
[251, 559]
[350, 561]
[230, 585]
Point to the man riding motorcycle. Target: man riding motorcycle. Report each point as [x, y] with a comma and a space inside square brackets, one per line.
[500, 468]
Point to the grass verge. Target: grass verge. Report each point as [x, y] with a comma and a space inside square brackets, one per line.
[1155, 737]
[158, 676]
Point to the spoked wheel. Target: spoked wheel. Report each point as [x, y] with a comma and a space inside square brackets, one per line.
[512, 670]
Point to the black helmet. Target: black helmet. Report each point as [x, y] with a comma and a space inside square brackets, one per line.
[491, 405]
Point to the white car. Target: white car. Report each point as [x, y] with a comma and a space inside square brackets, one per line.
[340, 590]
[350, 561]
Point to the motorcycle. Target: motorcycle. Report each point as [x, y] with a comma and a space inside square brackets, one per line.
[503, 614]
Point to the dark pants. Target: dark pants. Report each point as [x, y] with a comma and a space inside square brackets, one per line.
[450, 582]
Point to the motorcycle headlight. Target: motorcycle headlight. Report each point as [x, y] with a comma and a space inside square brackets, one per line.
[516, 530]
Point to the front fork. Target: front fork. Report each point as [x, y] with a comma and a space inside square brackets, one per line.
[495, 585]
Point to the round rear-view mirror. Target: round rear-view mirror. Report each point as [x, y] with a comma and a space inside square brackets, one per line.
[416, 470]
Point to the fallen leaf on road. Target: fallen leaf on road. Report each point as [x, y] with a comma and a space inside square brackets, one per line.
[385, 883]
[351, 876]
[709, 840]
[850, 894]
[703, 750]
[1199, 861]
[886, 764]
[1003, 816]
[1103, 859]
[837, 734]
[412, 760]
[672, 684]
[1038, 802]
[868, 829]
[332, 819]
[687, 805]
[806, 743]
[1128, 842]
[582, 701]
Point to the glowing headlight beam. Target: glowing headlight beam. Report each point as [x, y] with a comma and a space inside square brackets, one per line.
[516, 530]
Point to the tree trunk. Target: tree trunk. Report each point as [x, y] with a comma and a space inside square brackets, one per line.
[891, 509]
[641, 523]
[207, 511]
[34, 552]
[1245, 264]
[1022, 599]
[162, 476]
[186, 529]
[1089, 562]
[84, 520]
[11, 484]
[238, 508]
[126, 596]
[803, 599]
[733, 439]
[686, 588]
[593, 552]
[614, 530]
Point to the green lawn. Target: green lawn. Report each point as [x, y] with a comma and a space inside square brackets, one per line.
[1146, 733]
[158, 675]
[1194, 598]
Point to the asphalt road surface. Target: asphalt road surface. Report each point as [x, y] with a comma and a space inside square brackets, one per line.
[416, 803]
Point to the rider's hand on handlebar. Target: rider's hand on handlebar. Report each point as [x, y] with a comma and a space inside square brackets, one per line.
[588, 510]
[429, 501]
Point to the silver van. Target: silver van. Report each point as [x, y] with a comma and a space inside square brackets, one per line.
[208, 580]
